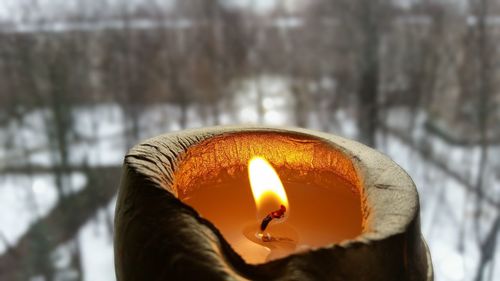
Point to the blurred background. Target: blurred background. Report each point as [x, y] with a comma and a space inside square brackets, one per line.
[82, 81]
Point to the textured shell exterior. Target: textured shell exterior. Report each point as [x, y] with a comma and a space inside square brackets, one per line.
[157, 237]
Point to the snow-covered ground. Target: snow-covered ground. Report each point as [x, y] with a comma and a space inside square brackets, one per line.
[24, 199]
[98, 141]
[446, 206]
[442, 211]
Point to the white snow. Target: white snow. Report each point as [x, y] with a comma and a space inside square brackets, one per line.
[96, 243]
[24, 199]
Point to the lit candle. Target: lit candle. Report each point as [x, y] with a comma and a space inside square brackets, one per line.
[185, 209]
[315, 215]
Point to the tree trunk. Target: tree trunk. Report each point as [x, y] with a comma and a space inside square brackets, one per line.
[369, 75]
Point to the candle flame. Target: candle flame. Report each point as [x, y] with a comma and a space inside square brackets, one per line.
[268, 191]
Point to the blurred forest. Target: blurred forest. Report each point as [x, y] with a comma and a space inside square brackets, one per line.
[82, 81]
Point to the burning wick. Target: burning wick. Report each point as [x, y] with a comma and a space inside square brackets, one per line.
[278, 214]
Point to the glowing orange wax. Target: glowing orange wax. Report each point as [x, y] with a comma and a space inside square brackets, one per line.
[319, 215]
[322, 191]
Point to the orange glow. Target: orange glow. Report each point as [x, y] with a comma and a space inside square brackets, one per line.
[297, 157]
[267, 189]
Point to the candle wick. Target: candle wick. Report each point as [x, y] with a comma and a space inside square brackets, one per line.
[278, 214]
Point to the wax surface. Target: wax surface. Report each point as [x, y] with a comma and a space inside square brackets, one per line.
[321, 215]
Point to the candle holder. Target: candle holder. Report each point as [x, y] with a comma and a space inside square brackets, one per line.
[161, 235]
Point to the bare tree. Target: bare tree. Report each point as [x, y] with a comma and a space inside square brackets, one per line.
[483, 49]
